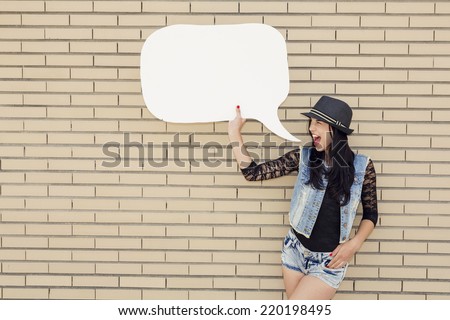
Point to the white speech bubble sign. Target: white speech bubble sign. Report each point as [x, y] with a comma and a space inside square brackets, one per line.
[200, 73]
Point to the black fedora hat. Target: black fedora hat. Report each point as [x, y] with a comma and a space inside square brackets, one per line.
[333, 111]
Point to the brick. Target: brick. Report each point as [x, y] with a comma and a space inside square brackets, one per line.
[118, 294]
[211, 295]
[142, 282]
[190, 19]
[265, 7]
[248, 232]
[432, 129]
[54, 281]
[99, 204]
[408, 89]
[30, 86]
[258, 270]
[399, 142]
[123, 34]
[426, 286]
[336, 48]
[236, 283]
[409, 7]
[118, 268]
[385, 21]
[384, 48]
[429, 22]
[439, 221]
[309, 35]
[362, 88]
[193, 283]
[363, 35]
[335, 21]
[117, 86]
[95, 256]
[195, 244]
[70, 164]
[379, 259]
[165, 294]
[360, 7]
[68, 33]
[25, 267]
[144, 230]
[72, 294]
[383, 75]
[338, 75]
[16, 281]
[117, 243]
[409, 35]
[25, 293]
[44, 20]
[385, 128]
[10, 19]
[22, 60]
[117, 6]
[235, 19]
[403, 247]
[194, 205]
[93, 20]
[438, 273]
[97, 100]
[311, 7]
[165, 6]
[409, 62]
[425, 234]
[95, 281]
[78, 242]
[12, 203]
[440, 142]
[188, 257]
[212, 270]
[236, 257]
[259, 245]
[11, 73]
[22, 33]
[285, 20]
[258, 295]
[69, 6]
[141, 256]
[312, 61]
[165, 269]
[216, 7]
[407, 194]
[91, 47]
[216, 218]
[378, 285]
[118, 191]
[95, 230]
[70, 60]
[74, 268]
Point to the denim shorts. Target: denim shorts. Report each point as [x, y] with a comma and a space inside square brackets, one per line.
[296, 257]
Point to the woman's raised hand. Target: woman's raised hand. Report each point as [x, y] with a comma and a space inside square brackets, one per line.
[235, 125]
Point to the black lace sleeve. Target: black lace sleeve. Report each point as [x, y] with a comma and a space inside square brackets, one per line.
[369, 194]
[273, 168]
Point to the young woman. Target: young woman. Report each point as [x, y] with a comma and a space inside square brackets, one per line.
[332, 180]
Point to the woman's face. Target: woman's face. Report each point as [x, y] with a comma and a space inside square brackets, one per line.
[321, 133]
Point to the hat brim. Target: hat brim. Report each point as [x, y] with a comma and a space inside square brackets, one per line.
[315, 116]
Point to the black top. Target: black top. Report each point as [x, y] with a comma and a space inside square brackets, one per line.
[326, 231]
[325, 234]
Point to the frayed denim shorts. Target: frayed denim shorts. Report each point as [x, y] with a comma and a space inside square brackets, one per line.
[296, 257]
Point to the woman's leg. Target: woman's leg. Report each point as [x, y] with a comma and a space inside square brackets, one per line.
[312, 288]
[291, 280]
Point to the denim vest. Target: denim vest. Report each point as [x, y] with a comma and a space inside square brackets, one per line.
[306, 201]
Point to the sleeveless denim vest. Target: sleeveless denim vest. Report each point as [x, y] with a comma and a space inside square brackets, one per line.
[306, 201]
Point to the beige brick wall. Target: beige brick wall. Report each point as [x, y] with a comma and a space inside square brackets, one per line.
[72, 227]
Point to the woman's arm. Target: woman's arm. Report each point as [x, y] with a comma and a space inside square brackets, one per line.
[344, 252]
[267, 170]
[234, 133]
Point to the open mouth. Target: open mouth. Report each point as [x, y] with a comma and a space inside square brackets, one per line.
[316, 140]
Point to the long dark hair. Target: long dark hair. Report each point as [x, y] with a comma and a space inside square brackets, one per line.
[342, 171]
